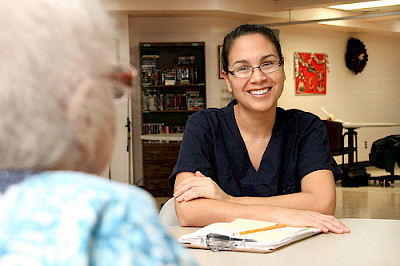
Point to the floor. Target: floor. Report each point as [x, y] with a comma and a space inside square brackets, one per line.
[372, 201]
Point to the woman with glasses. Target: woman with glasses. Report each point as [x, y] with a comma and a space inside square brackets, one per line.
[57, 129]
[253, 159]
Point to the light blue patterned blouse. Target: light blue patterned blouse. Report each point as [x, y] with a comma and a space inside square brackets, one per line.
[72, 218]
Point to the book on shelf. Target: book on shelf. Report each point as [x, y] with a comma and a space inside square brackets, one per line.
[155, 100]
[159, 129]
[246, 235]
[169, 78]
[175, 76]
[195, 99]
[186, 60]
[150, 72]
[184, 73]
[150, 56]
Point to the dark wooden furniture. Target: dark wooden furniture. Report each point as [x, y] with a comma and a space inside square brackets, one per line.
[336, 140]
[158, 164]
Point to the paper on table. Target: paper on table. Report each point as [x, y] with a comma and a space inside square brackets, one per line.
[243, 225]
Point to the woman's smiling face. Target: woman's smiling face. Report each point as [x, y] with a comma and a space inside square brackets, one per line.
[260, 91]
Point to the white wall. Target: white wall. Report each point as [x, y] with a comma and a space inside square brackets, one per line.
[371, 96]
[120, 168]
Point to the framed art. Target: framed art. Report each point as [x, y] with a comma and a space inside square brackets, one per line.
[311, 73]
[220, 76]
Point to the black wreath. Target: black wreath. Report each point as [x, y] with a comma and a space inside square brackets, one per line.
[356, 55]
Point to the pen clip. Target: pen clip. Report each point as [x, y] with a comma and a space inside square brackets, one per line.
[217, 242]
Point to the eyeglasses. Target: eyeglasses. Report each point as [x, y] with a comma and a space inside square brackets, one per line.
[247, 71]
[121, 78]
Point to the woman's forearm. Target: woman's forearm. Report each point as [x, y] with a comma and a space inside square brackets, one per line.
[318, 194]
[201, 212]
[300, 200]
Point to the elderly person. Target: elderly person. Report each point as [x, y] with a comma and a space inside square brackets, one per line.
[56, 136]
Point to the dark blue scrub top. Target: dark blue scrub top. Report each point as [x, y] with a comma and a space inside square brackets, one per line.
[212, 144]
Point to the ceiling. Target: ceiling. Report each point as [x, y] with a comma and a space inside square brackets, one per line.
[270, 12]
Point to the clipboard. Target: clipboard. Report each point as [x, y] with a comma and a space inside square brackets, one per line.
[221, 236]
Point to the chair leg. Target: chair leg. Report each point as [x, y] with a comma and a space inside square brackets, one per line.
[356, 145]
[387, 182]
[343, 164]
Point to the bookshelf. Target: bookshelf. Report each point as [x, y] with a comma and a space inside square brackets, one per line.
[172, 88]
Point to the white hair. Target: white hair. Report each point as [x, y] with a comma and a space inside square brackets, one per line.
[47, 49]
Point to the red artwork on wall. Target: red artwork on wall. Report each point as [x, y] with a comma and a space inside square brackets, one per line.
[310, 73]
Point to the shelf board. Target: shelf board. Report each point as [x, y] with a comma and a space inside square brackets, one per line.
[169, 45]
[173, 137]
[173, 86]
[171, 111]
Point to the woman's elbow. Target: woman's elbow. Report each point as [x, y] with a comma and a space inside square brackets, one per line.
[193, 213]
[182, 218]
[327, 206]
[186, 216]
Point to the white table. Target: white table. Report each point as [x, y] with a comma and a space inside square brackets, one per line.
[370, 242]
[355, 125]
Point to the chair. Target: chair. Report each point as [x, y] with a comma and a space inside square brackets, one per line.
[167, 213]
[385, 152]
[336, 140]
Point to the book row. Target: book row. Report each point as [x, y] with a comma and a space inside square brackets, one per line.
[174, 76]
[161, 128]
[155, 100]
[184, 73]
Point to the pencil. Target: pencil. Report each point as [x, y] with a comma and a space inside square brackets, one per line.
[260, 229]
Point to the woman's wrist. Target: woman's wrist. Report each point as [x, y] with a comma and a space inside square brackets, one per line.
[230, 198]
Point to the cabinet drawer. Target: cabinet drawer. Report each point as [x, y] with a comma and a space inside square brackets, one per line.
[160, 152]
[157, 187]
[158, 169]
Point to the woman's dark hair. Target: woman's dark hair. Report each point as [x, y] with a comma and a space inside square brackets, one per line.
[244, 30]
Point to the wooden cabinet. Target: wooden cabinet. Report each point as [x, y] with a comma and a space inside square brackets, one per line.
[159, 160]
[173, 88]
